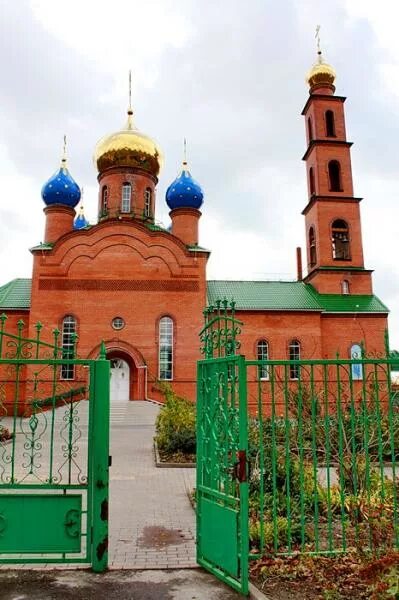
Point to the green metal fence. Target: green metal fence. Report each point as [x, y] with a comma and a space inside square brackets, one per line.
[54, 440]
[292, 456]
[323, 452]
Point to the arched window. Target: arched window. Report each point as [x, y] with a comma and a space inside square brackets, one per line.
[356, 368]
[345, 287]
[147, 202]
[104, 199]
[126, 198]
[262, 351]
[312, 247]
[68, 345]
[310, 129]
[334, 176]
[330, 123]
[294, 354]
[340, 240]
[166, 349]
[311, 181]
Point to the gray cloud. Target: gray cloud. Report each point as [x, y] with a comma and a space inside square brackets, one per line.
[235, 90]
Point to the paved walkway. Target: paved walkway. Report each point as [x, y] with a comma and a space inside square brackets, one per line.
[152, 523]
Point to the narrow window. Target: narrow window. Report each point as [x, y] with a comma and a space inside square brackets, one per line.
[310, 129]
[294, 354]
[263, 354]
[68, 346]
[334, 176]
[311, 181]
[104, 199]
[126, 197]
[147, 202]
[345, 287]
[166, 349]
[357, 368]
[312, 247]
[330, 123]
[340, 240]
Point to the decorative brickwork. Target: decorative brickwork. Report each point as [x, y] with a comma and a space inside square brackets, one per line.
[119, 285]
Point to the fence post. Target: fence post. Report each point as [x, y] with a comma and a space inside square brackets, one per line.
[244, 488]
[100, 457]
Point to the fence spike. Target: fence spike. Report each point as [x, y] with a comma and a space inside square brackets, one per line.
[103, 351]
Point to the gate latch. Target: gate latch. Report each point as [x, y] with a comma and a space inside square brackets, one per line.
[240, 467]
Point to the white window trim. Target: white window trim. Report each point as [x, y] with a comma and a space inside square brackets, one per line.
[297, 346]
[104, 198]
[168, 321]
[261, 367]
[147, 202]
[126, 203]
[68, 329]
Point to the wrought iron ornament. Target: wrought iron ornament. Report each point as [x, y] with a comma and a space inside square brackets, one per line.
[54, 448]
[219, 336]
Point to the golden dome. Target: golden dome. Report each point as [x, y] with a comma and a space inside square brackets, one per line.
[321, 74]
[128, 148]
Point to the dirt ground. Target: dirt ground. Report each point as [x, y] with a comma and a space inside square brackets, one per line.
[187, 584]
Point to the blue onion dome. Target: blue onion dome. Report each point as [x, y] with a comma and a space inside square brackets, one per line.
[80, 222]
[61, 188]
[184, 192]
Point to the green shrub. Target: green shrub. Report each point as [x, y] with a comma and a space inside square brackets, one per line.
[270, 530]
[175, 424]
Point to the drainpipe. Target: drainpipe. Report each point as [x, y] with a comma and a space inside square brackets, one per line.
[145, 380]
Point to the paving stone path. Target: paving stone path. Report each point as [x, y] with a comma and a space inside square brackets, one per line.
[152, 523]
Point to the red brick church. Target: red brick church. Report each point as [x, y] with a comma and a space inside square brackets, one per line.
[143, 288]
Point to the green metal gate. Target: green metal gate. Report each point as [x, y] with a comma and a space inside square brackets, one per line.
[311, 445]
[222, 488]
[54, 447]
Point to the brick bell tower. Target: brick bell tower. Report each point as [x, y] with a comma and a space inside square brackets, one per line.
[332, 214]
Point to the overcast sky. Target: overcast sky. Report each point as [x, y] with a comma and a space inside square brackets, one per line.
[230, 77]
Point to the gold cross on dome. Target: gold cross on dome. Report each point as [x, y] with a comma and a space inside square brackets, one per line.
[64, 152]
[317, 36]
[130, 89]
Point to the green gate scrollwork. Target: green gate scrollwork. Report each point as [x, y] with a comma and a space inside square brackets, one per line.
[72, 523]
[222, 443]
[54, 447]
[219, 336]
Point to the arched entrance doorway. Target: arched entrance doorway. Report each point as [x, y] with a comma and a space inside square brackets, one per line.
[127, 364]
[120, 381]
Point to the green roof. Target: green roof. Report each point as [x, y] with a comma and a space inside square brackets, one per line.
[154, 227]
[351, 303]
[196, 248]
[16, 294]
[264, 295]
[289, 295]
[43, 246]
[394, 355]
[248, 295]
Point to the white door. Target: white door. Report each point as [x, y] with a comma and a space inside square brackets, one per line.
[119, 380]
